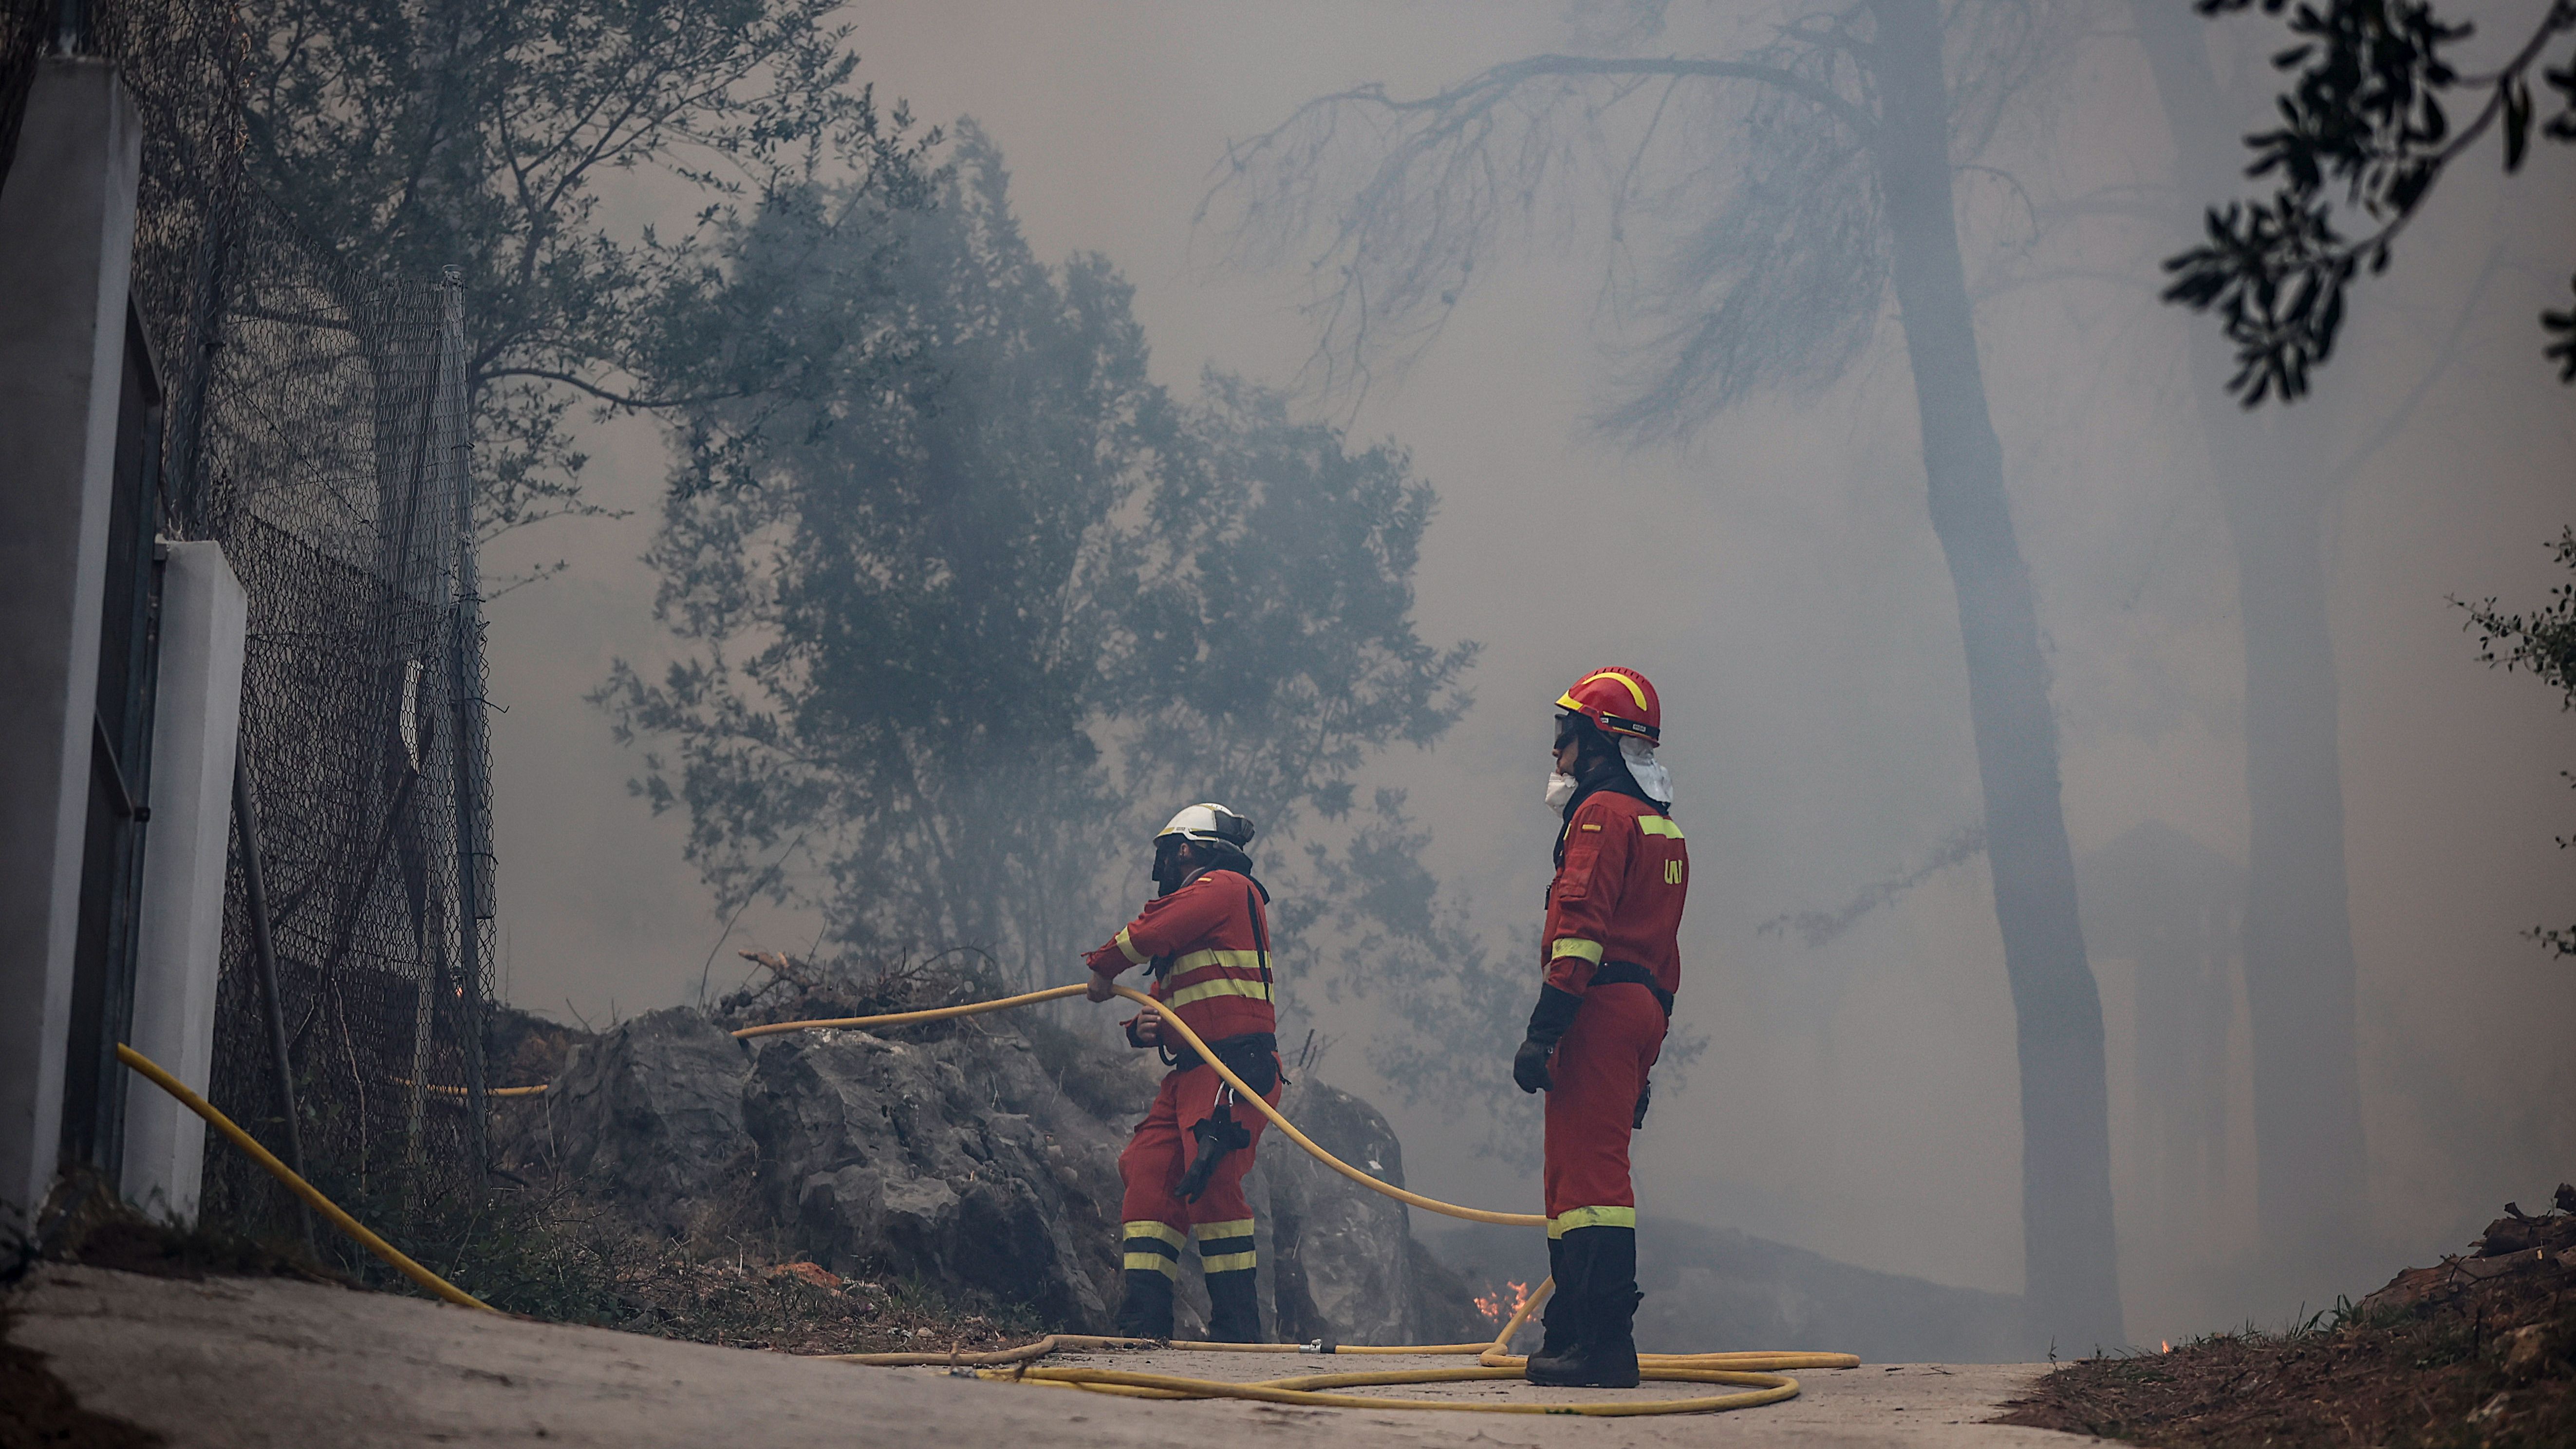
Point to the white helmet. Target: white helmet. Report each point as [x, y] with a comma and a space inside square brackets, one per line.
[1208, 824]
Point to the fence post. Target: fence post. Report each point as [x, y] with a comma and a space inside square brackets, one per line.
[263, 946]
[472, 784]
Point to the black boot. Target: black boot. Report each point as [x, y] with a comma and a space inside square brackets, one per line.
[1559, 1314]
[1234, 1310]
[1610, 1355]
[1146, 1310]
[1600, 1266]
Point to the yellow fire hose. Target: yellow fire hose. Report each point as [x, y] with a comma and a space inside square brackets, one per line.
[1494, 1361]
[151, 1071]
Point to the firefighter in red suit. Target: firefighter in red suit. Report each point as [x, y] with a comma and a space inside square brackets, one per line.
[1206, 939]
[1612, 964]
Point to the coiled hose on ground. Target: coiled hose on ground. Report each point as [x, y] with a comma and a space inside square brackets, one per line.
[1750, 1373]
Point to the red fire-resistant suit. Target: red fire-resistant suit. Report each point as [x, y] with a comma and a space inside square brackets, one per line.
[1617, 898]
[1207, 942]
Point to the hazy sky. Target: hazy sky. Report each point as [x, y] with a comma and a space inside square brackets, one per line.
[1780, 583]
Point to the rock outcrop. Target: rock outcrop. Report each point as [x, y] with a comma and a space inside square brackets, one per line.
[981, 1159]
[1328, 1239]
[958, 1162]
[651, 1115]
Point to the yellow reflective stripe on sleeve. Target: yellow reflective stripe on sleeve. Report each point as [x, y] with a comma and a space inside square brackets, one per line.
[1591, 1217]
[1576, 946]
[1164, 1231]
[1240, 1228]
[1229, 1262]
[1127, 948]
[1153, 1262]
[1241, 960]
[1221, 986]
[1659, 825]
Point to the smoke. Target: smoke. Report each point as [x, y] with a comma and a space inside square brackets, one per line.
[1777, 580]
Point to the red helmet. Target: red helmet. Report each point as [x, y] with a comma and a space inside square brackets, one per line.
[1618, 701]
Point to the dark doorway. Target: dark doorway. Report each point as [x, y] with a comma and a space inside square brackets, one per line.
[120, 777]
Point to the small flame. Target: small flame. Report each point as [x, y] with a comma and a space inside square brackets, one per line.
[1494, 1306]
[2167, 1343]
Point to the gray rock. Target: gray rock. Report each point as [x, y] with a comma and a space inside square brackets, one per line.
[651, 1115]
[959, 1162]
[1347, 1267]
[984, 1163]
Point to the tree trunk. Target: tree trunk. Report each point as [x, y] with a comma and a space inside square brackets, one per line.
[2069, 1251]
[2299, 971]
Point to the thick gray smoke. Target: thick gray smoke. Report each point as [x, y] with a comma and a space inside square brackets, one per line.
[1774, 572]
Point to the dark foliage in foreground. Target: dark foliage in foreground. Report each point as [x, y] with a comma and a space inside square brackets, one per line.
[2364, 132]
[2544, 642]
[2478, 1350]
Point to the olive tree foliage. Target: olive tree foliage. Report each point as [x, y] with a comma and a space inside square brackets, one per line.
[414, 135]
[2365, 137]
[1759, 203]
[962, 628]
[2543, 642]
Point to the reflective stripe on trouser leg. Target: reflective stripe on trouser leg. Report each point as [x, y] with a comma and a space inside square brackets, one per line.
[1234, 1306]
[1234, 1301]
[1145, 1307]
[1153, 1246]
[1225, 1247]
[1591, 1217]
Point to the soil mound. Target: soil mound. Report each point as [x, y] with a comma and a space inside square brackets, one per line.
[2479, 1349]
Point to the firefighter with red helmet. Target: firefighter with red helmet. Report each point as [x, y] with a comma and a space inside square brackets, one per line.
[1205, 937]
[1612, 963]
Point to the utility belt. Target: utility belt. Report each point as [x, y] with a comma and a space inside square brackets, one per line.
[1609, 971]
[1253, 1056]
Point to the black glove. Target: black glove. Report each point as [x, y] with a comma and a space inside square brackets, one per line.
[1645, 1096]
[1529, 1067]
[1548, 1021]
[1218, 1134]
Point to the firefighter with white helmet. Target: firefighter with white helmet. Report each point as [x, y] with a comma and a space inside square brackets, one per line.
[1611, 962]
[1205, 938]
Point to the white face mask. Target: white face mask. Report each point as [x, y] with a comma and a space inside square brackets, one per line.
[1560, 791]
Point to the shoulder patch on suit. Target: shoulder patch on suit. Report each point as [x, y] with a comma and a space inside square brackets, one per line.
[1659, 825]
[1588, 825]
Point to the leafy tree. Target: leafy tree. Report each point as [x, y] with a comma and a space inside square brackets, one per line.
[414, 135]
[1790, 187]
[2544, 642]
[2364, 130]
[964, 631]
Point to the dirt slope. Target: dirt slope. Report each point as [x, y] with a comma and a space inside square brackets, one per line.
[2477, 1352]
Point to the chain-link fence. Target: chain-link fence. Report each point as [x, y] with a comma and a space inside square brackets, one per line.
[316, 427]
[332, 472]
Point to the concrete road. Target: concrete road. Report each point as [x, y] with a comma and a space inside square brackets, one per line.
[230, 1363]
